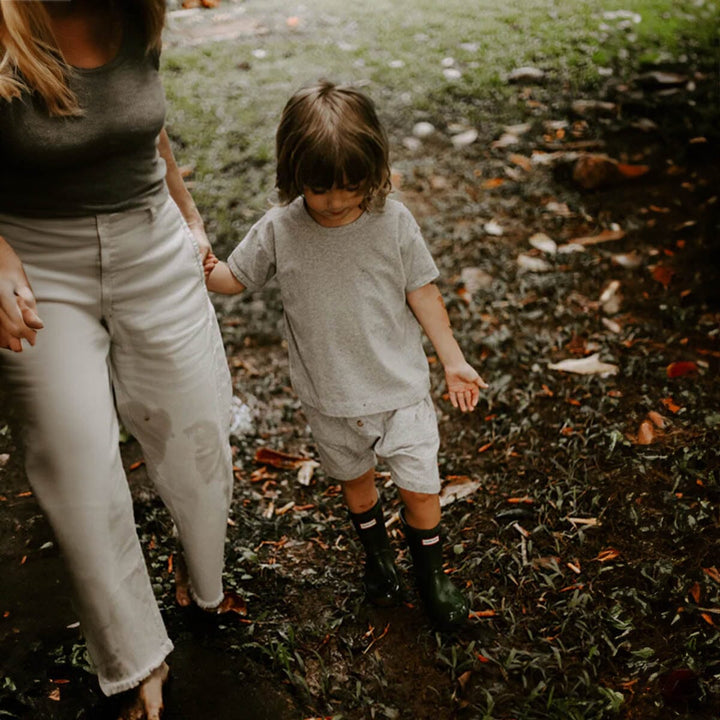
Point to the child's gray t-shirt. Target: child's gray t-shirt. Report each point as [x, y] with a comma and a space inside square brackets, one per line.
[355, 346]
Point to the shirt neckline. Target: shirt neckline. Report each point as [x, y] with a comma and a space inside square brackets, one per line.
[319, 229]
[113, 61]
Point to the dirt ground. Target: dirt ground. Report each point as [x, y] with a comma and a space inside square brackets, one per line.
[586, 530]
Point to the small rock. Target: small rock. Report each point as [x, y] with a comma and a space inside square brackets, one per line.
[4, 457]
[594, 107]
[658, 79]
[544, 243]
[452, 74]
[526, 74]
[528, 263]
[630, 261]
[412, 143]
[465, 138]
[493, 228]
[506, 140]
[423, 129]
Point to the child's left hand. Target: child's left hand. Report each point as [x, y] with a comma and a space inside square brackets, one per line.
[464, 383]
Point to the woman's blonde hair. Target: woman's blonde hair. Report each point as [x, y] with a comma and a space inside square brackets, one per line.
[30, 60]
[330, 136]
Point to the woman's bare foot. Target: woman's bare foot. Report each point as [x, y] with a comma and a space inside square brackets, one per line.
[147, 702]
[182, 581]
[231, 602]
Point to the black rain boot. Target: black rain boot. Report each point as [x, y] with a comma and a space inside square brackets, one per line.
[382, 582]
[444, 603]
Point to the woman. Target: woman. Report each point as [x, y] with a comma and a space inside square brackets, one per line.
[104, 311]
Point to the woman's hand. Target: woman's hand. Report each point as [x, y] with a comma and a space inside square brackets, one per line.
[18, 312]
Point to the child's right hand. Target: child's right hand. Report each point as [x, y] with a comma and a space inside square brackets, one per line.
[463, 384]
[209, 264]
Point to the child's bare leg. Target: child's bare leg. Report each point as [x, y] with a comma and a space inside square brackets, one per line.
[422, 510]
[147, 703]
[360, 494]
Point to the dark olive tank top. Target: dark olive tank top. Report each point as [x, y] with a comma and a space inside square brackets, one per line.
[104, 161]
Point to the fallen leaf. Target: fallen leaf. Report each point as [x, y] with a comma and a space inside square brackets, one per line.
[681, 369]
[611, 298]
[657, 419]
[276, 458]
[505, 140]
[521, 161]
[712, 572]
[646, 433]
[590, 365]
[232, 602]
[491, 183]
[603, 237]
[464, 678]
[663, 275]
[306, 471]
[458, 490]
[694, 592]
[670, 405]
[632, 171]
[482, 613]
[606, 555]
[55, 695]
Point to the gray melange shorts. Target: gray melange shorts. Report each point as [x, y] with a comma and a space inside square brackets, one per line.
[406, 439]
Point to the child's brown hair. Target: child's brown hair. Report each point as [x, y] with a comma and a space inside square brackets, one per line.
[329, 135]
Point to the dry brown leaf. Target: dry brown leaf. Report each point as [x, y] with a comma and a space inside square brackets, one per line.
[602, 237]
[694, 592]
[232, 602]
[606, 555]
[646, 433]
[657, 419]
[521, 161]
[276, 458]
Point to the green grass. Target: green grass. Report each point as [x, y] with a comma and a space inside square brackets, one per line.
[224, 101]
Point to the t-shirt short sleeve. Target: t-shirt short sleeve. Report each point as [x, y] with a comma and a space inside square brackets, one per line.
[420, 268]
[253, 262]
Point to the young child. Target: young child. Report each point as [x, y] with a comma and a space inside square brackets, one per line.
[356, 281]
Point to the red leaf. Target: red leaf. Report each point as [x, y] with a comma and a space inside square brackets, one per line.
[670, 405]
[663, 275]
[681, 368]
